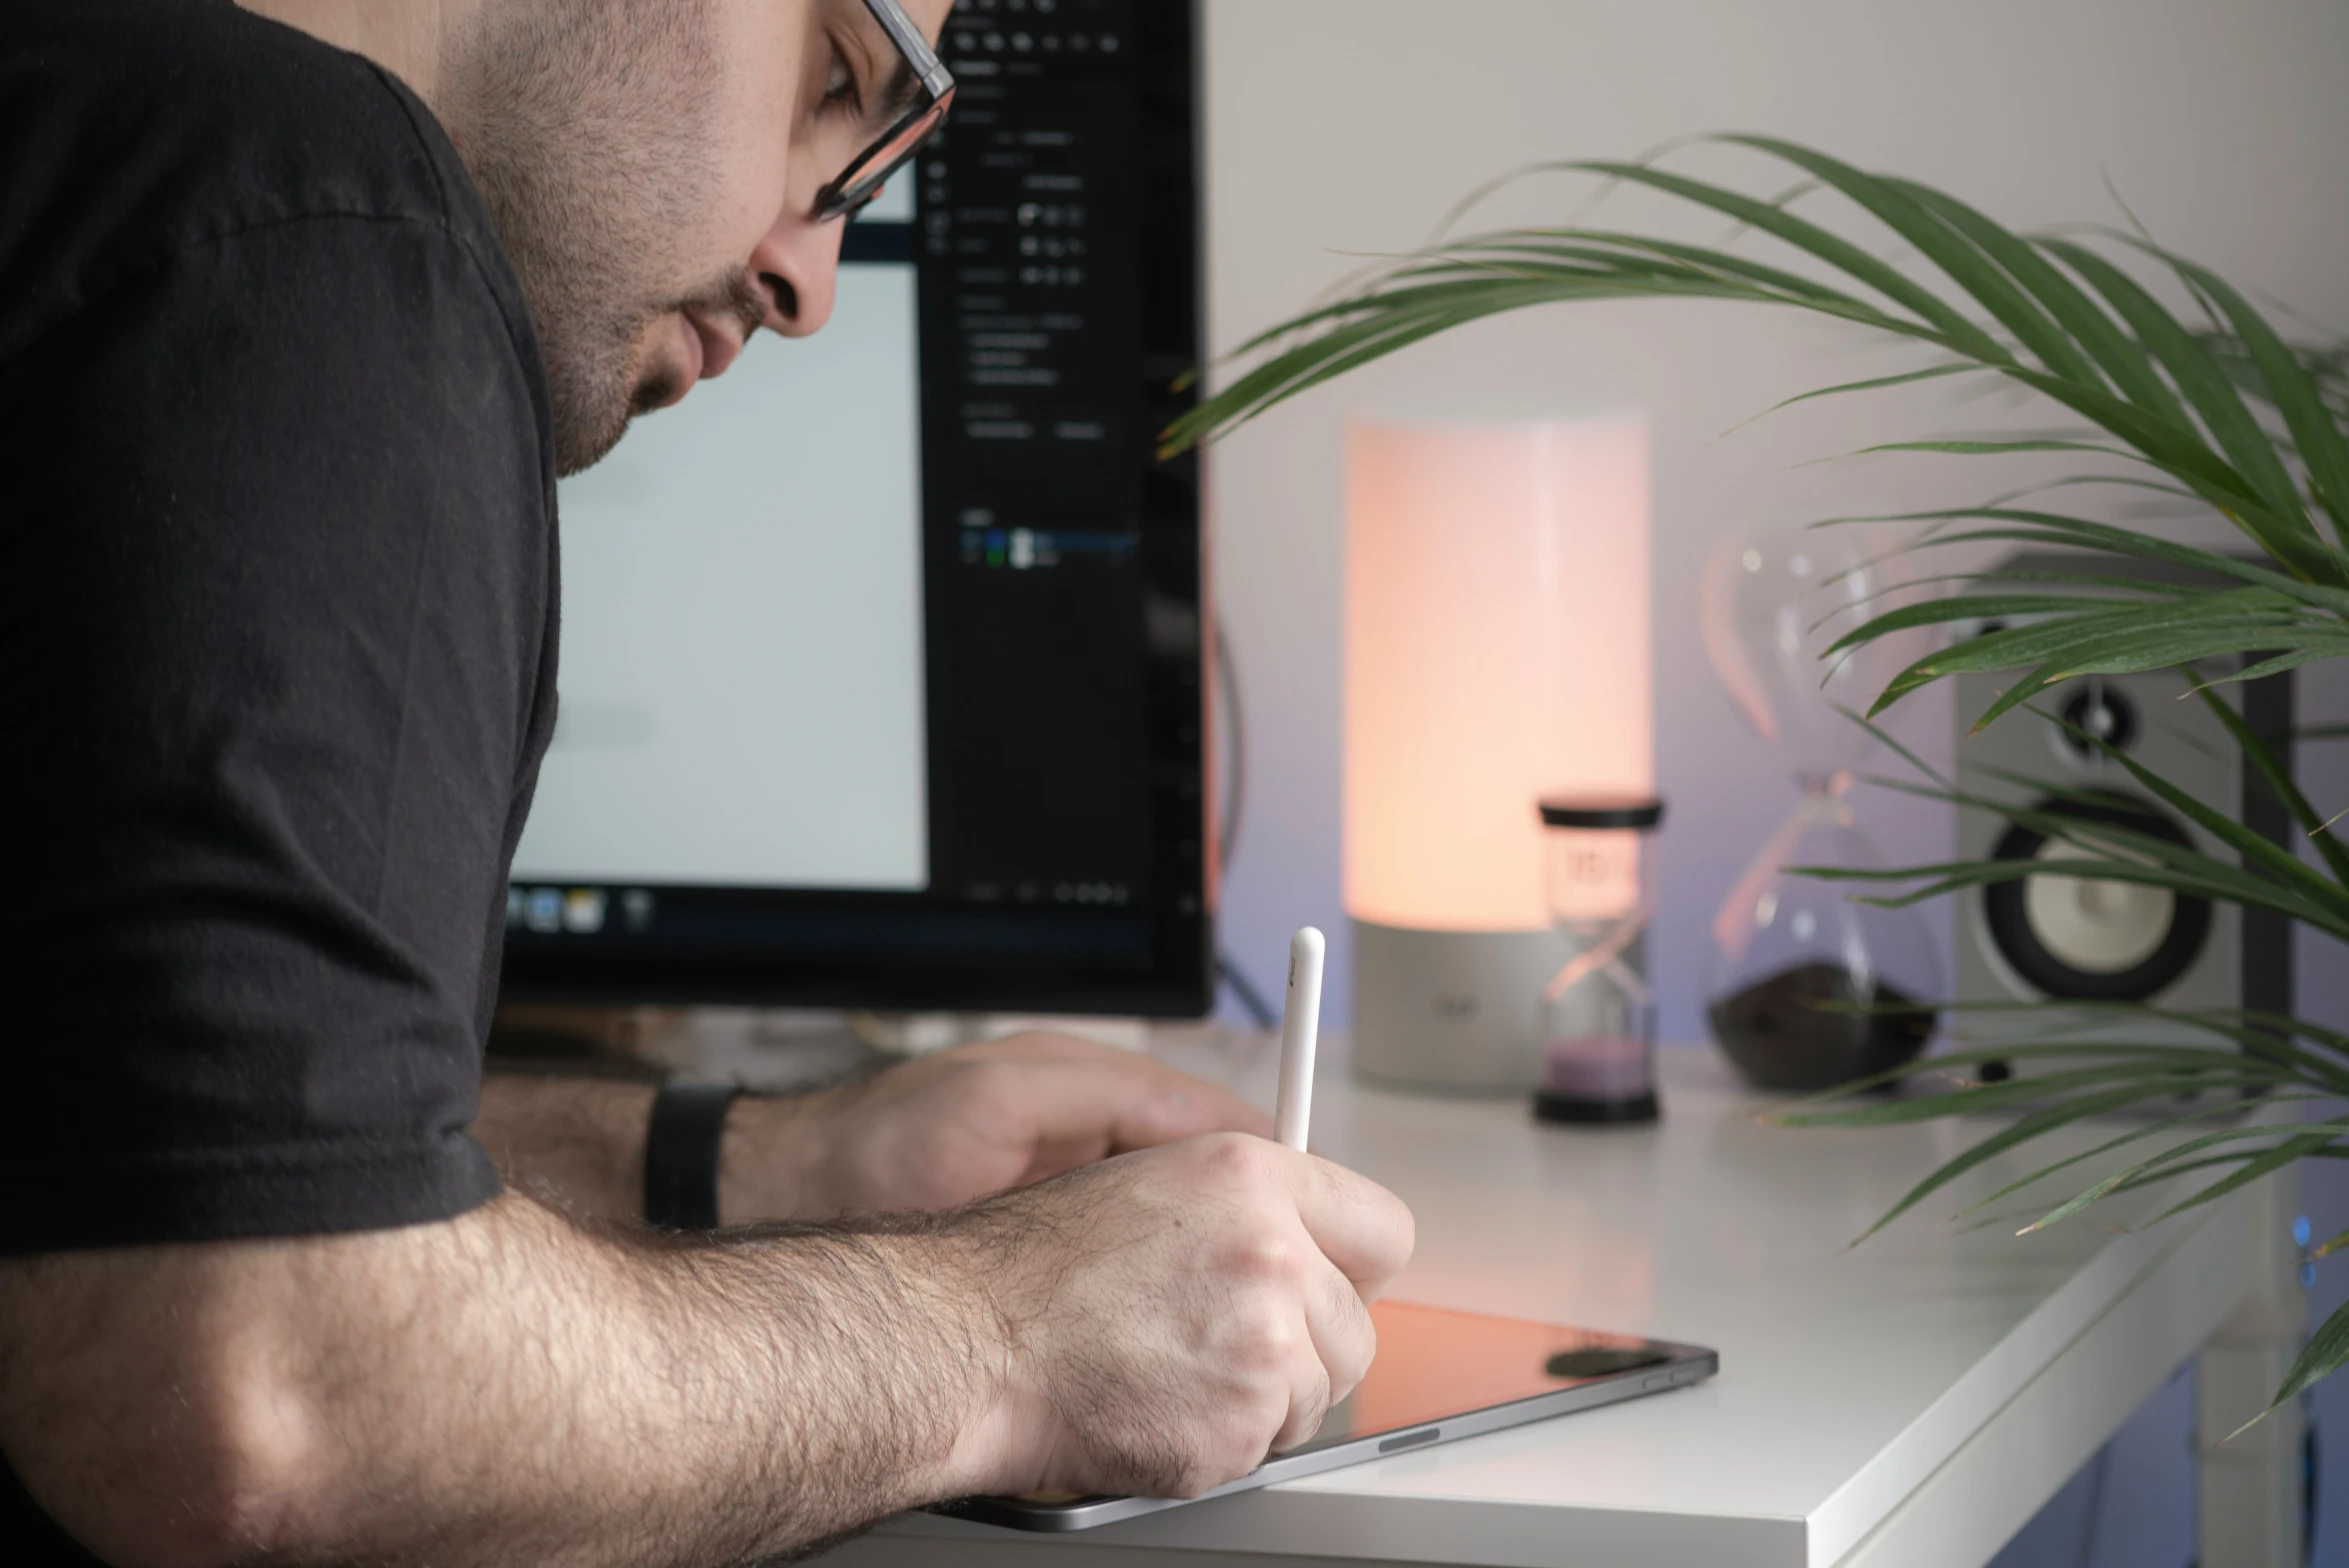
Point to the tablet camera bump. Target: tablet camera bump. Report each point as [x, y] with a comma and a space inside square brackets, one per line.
[1602, 1361]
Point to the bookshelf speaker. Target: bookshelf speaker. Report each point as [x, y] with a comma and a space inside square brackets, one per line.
[2047, 937]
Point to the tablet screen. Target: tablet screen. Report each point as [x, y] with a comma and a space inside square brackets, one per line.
[1434, 1364]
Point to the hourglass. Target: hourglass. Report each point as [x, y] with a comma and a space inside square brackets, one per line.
[1811, 987]
[1598, 1012]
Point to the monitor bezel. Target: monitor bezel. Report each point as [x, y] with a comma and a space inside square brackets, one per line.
[1177, 977]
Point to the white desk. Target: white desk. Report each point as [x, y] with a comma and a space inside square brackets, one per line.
[1909, 1403]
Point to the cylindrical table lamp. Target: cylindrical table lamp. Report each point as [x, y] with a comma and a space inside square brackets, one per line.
[1497, 650]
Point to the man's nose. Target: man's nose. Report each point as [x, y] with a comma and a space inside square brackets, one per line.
[797, 264]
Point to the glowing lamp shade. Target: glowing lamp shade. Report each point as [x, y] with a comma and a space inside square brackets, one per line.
[1497, 651]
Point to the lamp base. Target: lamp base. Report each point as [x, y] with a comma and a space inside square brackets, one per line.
[1457, 1010]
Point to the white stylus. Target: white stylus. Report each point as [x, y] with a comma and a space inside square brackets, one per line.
[1300, 1026]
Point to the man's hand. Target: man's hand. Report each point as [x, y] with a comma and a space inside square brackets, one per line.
[510, 1387]
[1174, 1315]
[941, 1130]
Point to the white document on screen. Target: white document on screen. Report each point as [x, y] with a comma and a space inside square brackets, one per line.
[742, 675]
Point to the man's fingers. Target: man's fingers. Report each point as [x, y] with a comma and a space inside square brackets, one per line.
[1074, 1090]
[1344, 1338]
[1344, 1342]
[1363, 1229]
[1190, 1105]
[1310, 1397]
[1181, 1106]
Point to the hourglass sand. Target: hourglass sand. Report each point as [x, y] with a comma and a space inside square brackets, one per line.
[1811, 987]
[1598, 1012]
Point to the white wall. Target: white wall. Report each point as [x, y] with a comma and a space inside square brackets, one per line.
[1350, 125]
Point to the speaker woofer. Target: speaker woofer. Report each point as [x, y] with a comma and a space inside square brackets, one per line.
[2089, 939]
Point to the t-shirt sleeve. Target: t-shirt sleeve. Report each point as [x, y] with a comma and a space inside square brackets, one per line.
[275, 579]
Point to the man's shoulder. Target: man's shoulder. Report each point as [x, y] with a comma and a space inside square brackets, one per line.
[134, 131]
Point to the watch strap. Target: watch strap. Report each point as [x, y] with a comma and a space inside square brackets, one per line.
[681, 1154]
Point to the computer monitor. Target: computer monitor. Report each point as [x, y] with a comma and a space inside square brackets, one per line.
[882, 668]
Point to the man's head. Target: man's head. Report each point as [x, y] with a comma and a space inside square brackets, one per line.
[653, 166]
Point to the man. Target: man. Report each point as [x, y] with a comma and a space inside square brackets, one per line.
[300, 314]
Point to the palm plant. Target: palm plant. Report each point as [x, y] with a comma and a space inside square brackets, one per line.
[2225, 416]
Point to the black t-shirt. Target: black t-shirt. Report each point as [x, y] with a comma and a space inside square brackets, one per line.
[277, 637]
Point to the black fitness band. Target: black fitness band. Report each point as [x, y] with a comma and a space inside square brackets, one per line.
[681, 1154]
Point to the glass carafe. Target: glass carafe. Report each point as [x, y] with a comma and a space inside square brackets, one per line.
[1810, 986]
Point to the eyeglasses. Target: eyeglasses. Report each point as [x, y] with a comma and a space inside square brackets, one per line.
[933, 94]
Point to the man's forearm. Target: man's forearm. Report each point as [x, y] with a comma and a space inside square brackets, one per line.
[578, 1143]
[575, 1142]
[506, 1388]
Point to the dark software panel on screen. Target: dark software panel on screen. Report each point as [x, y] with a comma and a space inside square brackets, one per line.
[881, 668]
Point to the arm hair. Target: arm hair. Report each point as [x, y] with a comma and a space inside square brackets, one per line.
[507, 1388]
[576, 1142]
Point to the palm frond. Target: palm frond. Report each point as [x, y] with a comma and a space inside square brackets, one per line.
[2225, 415]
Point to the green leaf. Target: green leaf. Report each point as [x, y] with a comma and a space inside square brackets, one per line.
[2048, 536]
[1697, 258]
[2122, 359]
[2133, 1135]
[2272, 1023]
[2116, 854]
[2000, 606]
[2257, 894]
[1828, 247]
[2134, 651]
[2326, 1351]
[2110, 540]
[2015, 647]
[1982, 448]
[2186, 1060]
[2318, 1065]
[1897, 747]
[2301, 892]
[2029, 1127]
[2271, 770]
[1601, 267]
[2232, 1161]
[2277, 522]
[2179, 1157]
[2278, 862]
[2034, 1125]
[2296, 395]
[2112, 640]
[2013, 697]
[2314, 650]
[2069, 377]
[1972, 607]
[2144, 1073]
[2088, 341]
[2146, 860]
[2008, 580]
[2257, 1031]
[2289, 1152]
[2198, 376]
[2106, 539]
[1898, 210]
[1873, 384]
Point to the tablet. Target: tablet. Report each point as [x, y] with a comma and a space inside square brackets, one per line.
[1439, 1375]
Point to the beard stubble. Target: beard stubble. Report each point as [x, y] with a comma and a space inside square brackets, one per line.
[589, 127]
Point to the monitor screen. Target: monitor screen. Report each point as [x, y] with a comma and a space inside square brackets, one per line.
[881, 672]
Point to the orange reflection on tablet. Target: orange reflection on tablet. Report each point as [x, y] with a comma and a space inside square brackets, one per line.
[1433, 1364]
